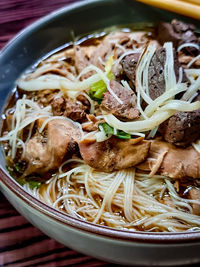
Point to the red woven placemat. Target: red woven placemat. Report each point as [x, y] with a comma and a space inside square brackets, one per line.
[21, 244]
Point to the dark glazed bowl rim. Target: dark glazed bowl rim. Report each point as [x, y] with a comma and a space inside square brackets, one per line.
[65, 219]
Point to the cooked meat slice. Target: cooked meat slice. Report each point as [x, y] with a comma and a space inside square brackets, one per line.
[182, 129]
[185, 59]
[92, 123]
[101, 54]
[156, 73]
[129, 64]
[176, 162]
[84, 101]
[82, 56]
[44, 97]
[67, 107]
[114, 153]
[58, 68]
[46, 152]
[128, 110]
[177, 32]
[194, 194]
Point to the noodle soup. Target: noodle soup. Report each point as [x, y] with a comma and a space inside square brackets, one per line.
[107, 129]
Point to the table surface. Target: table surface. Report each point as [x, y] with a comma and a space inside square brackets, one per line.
[21, 244]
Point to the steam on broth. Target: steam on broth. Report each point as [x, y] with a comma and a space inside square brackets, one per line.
[108, 129]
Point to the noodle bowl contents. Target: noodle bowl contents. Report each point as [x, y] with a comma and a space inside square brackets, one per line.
[108, 129]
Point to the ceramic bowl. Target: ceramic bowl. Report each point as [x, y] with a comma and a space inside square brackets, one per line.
[117, 246]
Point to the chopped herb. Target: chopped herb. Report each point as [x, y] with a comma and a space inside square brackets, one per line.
[123, 135]
[19, 167]
[34, 184]
[10, 169]
[99, 88]
[96, 91]
[107, 128]
[110, 76]
[21, 181]
[110, 131]
[34, 181]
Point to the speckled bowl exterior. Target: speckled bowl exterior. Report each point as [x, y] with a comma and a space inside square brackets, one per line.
[118, 246]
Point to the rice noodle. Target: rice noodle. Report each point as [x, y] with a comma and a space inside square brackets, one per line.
[187, 45]
[170, 77]
[156, 119]
[52, 82]
[134, 192]
[192, 61]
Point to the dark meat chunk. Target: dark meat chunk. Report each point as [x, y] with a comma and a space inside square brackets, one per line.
[173, 161]
[114, 154]
[156, 73]
[182, 129]
[46, 151]
[178, 33]
[129, 64]
[194, 194]
[69, 108]
[128, 110]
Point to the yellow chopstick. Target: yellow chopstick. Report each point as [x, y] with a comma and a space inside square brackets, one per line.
[196, 2]
[178, 6]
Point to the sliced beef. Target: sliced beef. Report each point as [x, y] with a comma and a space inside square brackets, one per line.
[67, 107]
[128, 110]
[178, 32]
[182, 129]
[194, 194]
[81, 59]
[101, 53]
[173, 162]
[114, 153]
[46, 151]
[129, 64]
[156, 73]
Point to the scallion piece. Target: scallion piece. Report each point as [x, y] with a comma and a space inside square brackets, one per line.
[34, 184]
[107, 128]
[110, 131]
[123, 135]
[96, 91]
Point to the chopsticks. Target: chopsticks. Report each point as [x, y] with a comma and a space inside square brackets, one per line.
[190, 8]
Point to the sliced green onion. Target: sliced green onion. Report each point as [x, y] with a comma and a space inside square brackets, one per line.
[123, 135]
[96, 91]
[34, 184]
[99, 88]
[110, 131]
[34, 181]
[107, 128]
